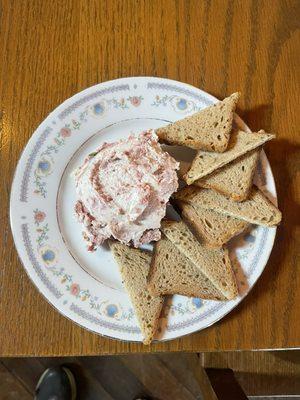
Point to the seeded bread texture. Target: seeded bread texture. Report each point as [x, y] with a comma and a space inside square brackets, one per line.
[257, 209]
[213, 263]
[134, 265]
[235, 179]
[240, 143]
[212, 228]
[208, 129]
[173, 273]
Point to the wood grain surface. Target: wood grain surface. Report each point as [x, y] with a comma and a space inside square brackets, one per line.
[50, 50]
[260, 373]
[155, 376]
[167, 376]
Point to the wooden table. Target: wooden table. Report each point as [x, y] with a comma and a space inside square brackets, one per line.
[50, 50]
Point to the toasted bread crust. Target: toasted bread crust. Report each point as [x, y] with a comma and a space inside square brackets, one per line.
[172, 273]
[257, 209]
[240, 143]
[208, 129]
[235, 179]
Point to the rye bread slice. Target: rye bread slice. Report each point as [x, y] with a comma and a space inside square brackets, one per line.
[208, 129]
[235, 179]
[213, 263]
[257, 209]
[134, 265]
[240, 143]
[173, 273]
[212, 228]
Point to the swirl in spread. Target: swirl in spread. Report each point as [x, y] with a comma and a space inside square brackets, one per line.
[123, 189]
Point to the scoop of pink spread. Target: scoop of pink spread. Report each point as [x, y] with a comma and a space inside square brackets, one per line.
[123, 189]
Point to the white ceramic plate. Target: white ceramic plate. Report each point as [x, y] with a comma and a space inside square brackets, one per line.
[86, 287]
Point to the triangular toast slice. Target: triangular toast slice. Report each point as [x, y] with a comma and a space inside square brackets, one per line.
[240, 143]
[213, 263]
[173, 273]
[257, 209]
[134, 265]
[235, 179]
[213, 229]
[208, 129]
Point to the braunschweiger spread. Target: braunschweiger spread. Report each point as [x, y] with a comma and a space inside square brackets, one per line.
[123, 189]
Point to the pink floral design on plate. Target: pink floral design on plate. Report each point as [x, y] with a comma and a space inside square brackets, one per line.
[75, 289]
[65, 132]
[39, 216]
[135, 100]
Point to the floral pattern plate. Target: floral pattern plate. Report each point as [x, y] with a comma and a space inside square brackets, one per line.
[86, 287]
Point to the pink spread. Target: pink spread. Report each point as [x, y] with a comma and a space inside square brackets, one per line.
[123, 189]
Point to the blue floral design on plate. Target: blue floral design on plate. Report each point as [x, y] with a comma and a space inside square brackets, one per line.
[44, 166]
[182, 104]
[197, 302]
[48, 256]
[98, 109]
[111, 310]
